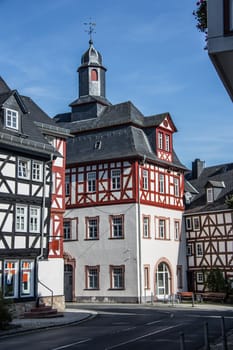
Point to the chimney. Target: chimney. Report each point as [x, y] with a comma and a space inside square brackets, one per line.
[197, 167]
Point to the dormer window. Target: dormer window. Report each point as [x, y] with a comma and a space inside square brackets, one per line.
[209, 195]
[12, 119]
[167, 143]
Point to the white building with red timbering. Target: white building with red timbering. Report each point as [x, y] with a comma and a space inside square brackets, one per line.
[124, 198]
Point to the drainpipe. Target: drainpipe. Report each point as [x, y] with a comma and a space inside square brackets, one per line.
[139, 234]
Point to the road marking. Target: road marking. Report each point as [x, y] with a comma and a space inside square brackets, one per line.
[143, 336]
[72, 344]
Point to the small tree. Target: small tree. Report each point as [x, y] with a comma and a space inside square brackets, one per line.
[200, 15]
[5, 313]
[215, 281]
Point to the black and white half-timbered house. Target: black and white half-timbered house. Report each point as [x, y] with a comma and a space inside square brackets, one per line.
[32, 154]
[124, 198]
[208, 223]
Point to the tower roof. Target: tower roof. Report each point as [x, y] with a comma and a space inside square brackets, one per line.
[91, 56]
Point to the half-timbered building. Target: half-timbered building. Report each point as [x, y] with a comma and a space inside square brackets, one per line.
[124, 197]
[208, 223]
[32, 173]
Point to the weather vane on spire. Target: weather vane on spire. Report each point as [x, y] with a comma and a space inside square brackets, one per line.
[90, 30]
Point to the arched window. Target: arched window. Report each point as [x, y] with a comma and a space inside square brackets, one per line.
[94, 75]
[162, 281]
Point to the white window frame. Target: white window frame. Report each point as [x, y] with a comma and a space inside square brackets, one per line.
[200, 277]
[27, 278]
[117, 223]
[37, 171]
[146, 227]
[162, 228]
[67, 230]
[188, 223]
[117, 277]
[210, 195]
[145, 179]
[196, 223]
[24, 166]
[92, 273]
[167, 142]
[177, 230]
[116, 179]
[21, 213]
[161, 183]
[91, 181]
[189, 249]
[34, 219]
[176, 187]
[11, 119]
[11, 274]
[92, 228]
[160, 140]
[199, 249]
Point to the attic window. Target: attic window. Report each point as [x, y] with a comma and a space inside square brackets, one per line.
[98, 144]
[209, 195]
[11, 119]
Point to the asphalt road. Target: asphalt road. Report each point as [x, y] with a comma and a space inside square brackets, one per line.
[128, 327]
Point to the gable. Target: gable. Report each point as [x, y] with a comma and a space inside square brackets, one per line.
[167, 124]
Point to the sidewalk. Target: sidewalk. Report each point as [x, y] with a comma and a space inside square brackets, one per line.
[24, 325]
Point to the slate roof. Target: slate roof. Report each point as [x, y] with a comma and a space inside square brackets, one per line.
[29, 136]
[124, 133]
[219, 176]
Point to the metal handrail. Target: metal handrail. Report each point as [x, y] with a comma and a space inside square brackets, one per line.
[47, 289]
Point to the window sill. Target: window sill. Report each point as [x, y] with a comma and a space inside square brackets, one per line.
[116, 289]
[116, 238]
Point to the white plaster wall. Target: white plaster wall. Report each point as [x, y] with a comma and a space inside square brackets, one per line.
[51, 272]
[105, 251]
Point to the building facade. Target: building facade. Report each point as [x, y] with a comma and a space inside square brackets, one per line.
[209, 223]
[32, 155]
[124, 198]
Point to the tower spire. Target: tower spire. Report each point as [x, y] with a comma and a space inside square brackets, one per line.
[91, 25]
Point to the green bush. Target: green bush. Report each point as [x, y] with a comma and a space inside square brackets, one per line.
[215, 282]
[5, 313]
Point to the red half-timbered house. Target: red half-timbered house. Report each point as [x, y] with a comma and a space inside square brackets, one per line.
[124, 197]
[208, 223]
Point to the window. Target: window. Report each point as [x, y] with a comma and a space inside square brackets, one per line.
[67, 230]
[116, 179]
[162, 229]
[199, 249]
[67, 186]
[34, 219]
[188, 223]
[177, 230]
[21, 218]
[94, 75]
[117, 230]
[146, 277]
[91, 182]
[98, 145]
[12, 119]
[36, 171]
[167, 142]
[92, 277]
[24, 168]
[189, 249]
[18, 278]
[209, 195]
[117, 274]
[146, 227]
[161, 183]
[10, 278]
[176, 187]
[160, 139]
[196, 223]
[200, 277]
[145, 179]
[27, 278]
[92, 228]
[179, 276]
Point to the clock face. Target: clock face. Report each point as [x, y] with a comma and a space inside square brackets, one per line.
[165, 123]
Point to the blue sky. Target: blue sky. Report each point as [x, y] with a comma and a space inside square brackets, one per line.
[152, 50]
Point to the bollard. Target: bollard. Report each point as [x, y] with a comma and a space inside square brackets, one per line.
[193, 300]
[182, 345]
[206, 336]
[224, 338]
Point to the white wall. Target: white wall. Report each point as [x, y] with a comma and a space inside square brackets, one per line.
[50, 273]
